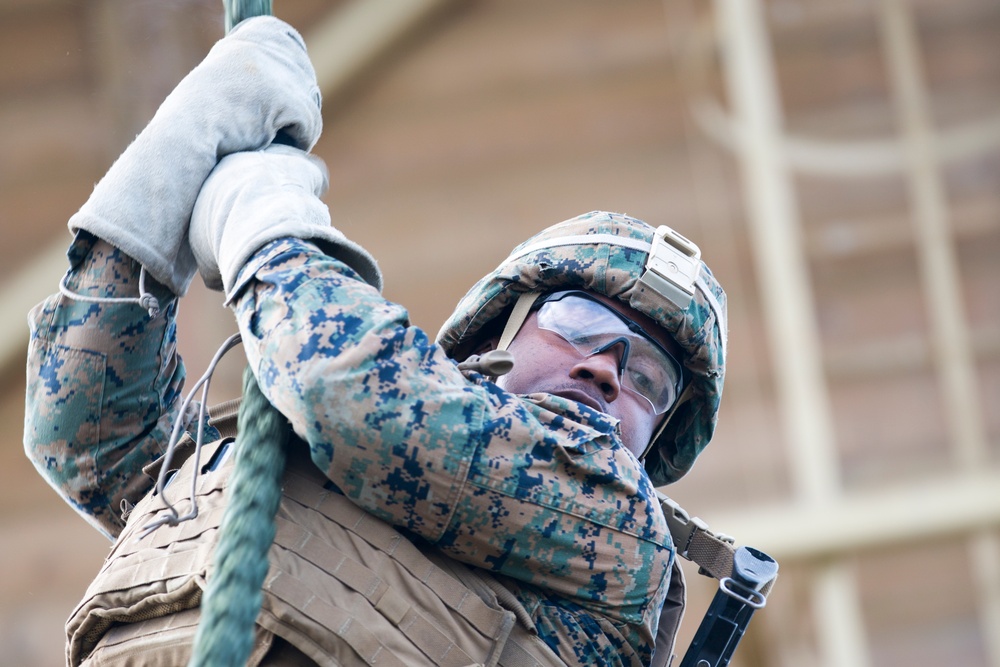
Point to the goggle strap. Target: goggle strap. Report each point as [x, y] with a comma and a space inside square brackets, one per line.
[517, 317]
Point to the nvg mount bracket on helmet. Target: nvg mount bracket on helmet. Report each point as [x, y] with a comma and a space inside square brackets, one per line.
[672, 267]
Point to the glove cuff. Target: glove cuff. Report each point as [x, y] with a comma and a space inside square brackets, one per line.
[330, 240]
[254, 198]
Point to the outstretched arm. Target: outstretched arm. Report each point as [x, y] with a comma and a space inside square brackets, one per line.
[536, 489]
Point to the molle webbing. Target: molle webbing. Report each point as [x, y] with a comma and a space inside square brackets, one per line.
[522, 647]
[374, 574]
[142, 581]
[343, 586]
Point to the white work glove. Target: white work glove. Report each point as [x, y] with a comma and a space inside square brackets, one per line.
[254, 82]
[256, 197]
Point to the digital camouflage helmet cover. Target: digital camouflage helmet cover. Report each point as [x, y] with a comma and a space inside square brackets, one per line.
[655, 271]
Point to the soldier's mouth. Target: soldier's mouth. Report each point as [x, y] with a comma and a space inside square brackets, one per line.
[582, 397]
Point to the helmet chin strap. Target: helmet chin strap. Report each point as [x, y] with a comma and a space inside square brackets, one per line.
[500, 361]
[517, 317]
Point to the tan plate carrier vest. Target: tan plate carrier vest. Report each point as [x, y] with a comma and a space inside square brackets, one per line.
[344, 587]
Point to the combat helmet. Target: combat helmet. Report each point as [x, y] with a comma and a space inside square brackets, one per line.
[656, 271]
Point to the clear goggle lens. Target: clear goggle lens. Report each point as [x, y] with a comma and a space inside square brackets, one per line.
[591, 327]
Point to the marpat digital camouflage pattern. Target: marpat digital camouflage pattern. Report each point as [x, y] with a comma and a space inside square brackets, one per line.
[103, 386]
[539, 491]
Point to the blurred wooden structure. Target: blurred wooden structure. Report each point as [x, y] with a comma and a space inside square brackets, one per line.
[838, 163]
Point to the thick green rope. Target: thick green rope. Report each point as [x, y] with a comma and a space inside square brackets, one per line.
[230, 606]
[232, 602]
[237, 10]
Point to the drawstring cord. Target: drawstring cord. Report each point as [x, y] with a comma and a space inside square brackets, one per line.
[152, 306]
[145, 298]
[173, 517]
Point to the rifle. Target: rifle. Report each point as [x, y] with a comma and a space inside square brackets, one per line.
[734, 603]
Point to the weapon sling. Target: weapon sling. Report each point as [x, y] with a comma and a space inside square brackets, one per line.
[745, 576]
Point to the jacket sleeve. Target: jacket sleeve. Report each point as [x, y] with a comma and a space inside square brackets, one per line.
[103, 382]
[538, 489]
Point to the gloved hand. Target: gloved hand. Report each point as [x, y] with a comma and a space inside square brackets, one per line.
[256, 197]
[254, 82]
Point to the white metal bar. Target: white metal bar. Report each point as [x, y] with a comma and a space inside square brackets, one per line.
[29, 286]
[935, 247]
[785, 286]
[352, 37]
[985, 555]
[925, 511]
[857, 158]
[842, 158]
[942, 289]
[840, 629]
[786, 295]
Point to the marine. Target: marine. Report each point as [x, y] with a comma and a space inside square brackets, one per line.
[433, 512]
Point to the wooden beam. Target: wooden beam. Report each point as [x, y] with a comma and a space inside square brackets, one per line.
[352, 38]
[948, 508]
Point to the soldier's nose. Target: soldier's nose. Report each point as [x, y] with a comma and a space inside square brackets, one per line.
[602, 370]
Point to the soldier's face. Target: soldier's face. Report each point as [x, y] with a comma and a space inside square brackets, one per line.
[547, 363]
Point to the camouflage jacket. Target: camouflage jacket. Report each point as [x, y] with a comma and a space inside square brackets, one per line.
[537, 489]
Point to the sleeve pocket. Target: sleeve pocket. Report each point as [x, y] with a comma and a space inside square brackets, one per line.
[65, 388]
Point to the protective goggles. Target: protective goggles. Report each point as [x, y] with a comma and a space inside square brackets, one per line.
[592, 327]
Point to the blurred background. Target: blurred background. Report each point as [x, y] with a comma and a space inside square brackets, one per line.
[837, 162]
